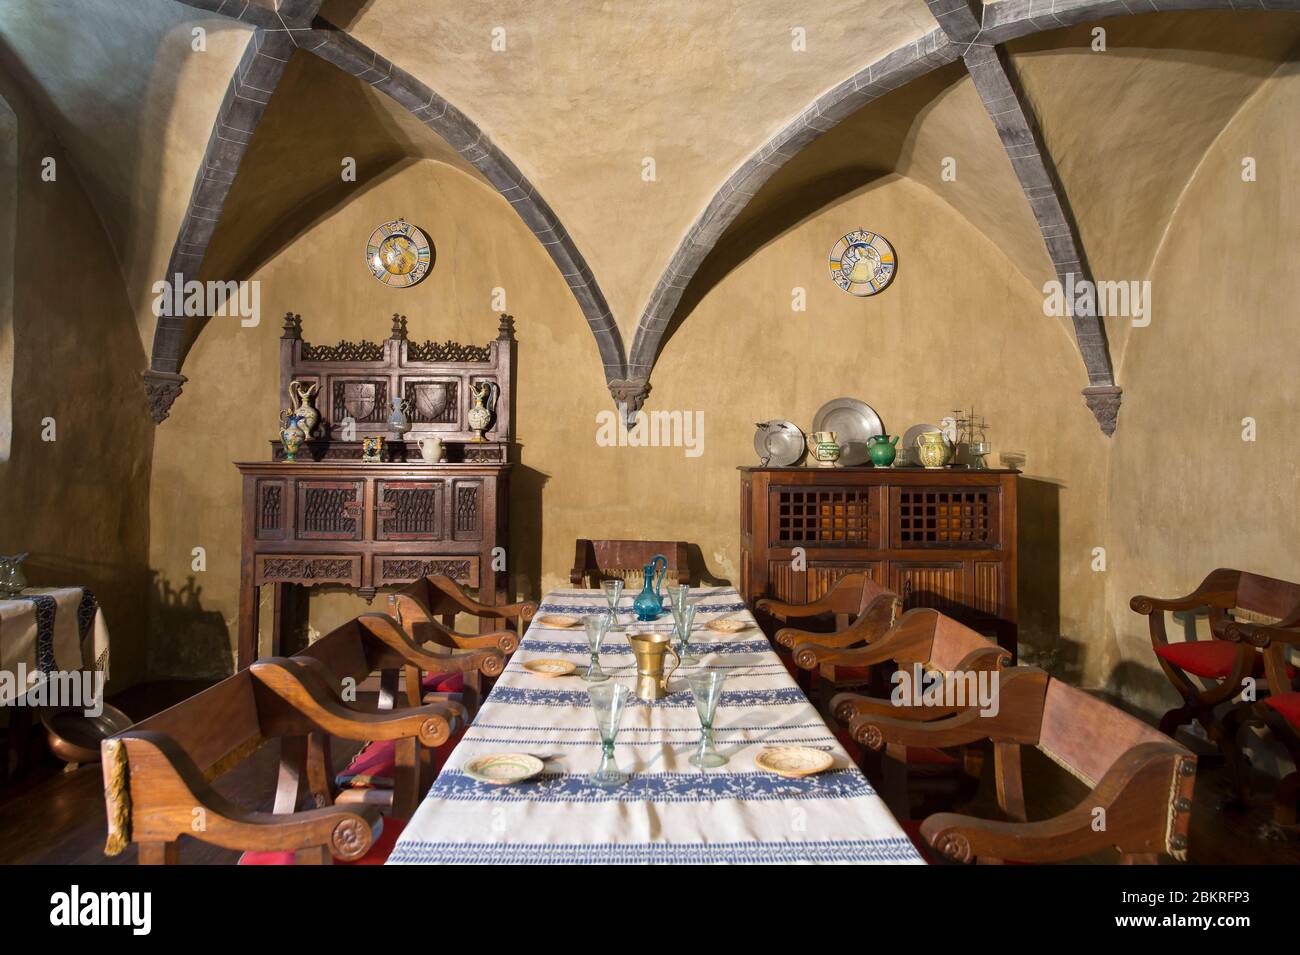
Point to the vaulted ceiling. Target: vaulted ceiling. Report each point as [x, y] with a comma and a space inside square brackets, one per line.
[753, 115]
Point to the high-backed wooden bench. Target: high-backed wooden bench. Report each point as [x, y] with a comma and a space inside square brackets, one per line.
[597, 560]
[158, 775]
[1140, 781]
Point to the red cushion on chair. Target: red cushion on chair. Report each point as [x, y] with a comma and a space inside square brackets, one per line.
[925, 756]
[1288, 704]
[374, 767]
[1212, 659]
[443, 683]
[379, 851]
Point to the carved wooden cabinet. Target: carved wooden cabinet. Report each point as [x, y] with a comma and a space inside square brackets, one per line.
[331, 518]
[366, 526]
[944, 539]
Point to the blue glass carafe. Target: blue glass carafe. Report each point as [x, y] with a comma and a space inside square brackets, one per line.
[649, 603]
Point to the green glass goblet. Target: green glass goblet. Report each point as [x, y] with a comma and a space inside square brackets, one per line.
[607, 703]
[677, 595]
[613, 591]
[684, 620]
[597, 625]
[706, 687]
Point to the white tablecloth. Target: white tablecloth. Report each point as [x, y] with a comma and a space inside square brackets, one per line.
[51, 628]
[669, 811]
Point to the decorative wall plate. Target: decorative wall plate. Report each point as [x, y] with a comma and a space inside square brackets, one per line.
[863, 263]
[398, 254]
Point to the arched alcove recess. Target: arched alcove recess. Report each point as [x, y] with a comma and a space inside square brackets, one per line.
[296, 27]
[973, 31]
[8, 230]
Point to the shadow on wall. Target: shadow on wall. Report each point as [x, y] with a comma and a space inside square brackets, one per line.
[700, 573]
[185, 638]
[524, 562]
[1039, 580]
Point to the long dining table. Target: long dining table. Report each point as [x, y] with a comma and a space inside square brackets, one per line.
[668, 811]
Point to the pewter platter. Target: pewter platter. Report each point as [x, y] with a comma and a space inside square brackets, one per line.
[855, 423]
[778, 443]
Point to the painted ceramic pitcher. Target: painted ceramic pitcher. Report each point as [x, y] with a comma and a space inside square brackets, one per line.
[649, 603]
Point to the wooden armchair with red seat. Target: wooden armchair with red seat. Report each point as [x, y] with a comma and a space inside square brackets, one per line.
[1280, 710]
[427, 610]
[1224, 663]
[158, 775]
[1140, 781]
[386, 773]
[925, 638]
[862, 611]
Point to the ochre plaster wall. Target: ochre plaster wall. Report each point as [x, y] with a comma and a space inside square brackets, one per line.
[1187, 493]
[951, 330]
[79, 503]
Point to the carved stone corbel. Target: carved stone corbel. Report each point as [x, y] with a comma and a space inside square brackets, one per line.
[630, 394]
[161, 388]
[1104, 401]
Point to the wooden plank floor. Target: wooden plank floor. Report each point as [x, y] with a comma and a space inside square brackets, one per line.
[58, 818]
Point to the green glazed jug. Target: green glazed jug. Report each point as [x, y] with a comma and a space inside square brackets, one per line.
[883, 449]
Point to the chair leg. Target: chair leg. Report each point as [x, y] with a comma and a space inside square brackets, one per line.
[159, 853]
[1175, 718]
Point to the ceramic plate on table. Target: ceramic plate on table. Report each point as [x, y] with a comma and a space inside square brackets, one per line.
[726, 625]
[855, 423]
[792, 762]
[549, 668]
[501, 769]
[907, 447]
[779, 444]
[558, 621]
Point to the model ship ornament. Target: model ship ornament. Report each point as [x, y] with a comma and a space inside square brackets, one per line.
[480, 416]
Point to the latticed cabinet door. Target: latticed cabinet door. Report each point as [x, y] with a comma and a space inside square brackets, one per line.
[330, 510]
[815, 516]
[961, 517]
[410, 510]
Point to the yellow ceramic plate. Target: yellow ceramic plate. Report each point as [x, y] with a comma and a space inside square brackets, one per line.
[727, 625]
[501, 769]
[549, 667]
[794, 761]
[561, 621]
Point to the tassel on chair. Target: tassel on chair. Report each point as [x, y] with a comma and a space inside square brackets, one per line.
[117, 794]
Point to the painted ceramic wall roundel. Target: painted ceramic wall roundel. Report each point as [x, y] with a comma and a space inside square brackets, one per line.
[863, 263]
[398, 254]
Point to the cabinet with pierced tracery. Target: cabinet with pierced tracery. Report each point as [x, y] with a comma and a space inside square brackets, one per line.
[330, 518]
[944, 539]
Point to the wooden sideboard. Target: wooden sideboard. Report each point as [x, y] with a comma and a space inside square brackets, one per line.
[366, 526]
[944, 539]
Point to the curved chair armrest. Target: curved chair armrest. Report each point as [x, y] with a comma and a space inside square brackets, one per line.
[844, 596]
[1262, 636]
[405, 651]
[522, 611]
[166, 788]
[810, 656]
[1020, 696]
[507, 641]
[295, 701]
[1144, 800]
[1219, 589]
[848, 707]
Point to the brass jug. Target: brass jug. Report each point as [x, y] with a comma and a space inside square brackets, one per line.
[650, 649]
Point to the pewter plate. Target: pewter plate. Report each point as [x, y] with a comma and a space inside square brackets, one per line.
[779, 444]
[855, 423]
